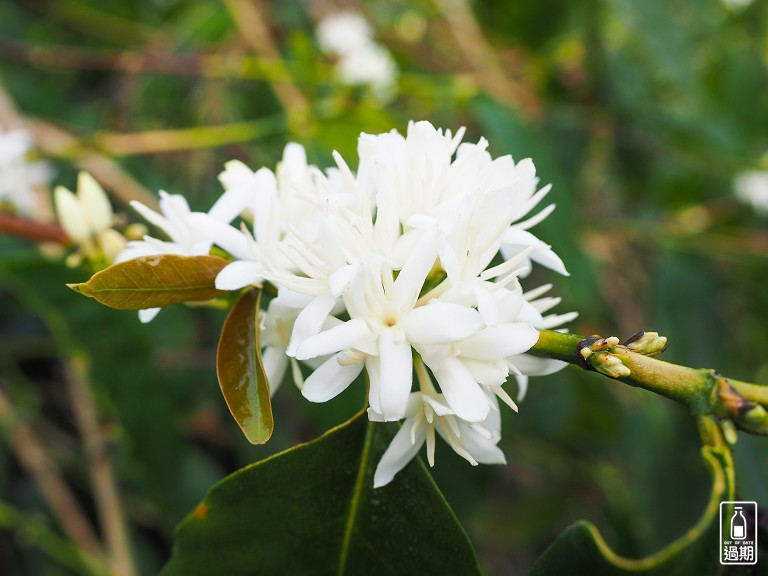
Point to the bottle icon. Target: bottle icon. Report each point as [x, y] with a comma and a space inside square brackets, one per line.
[738, 525]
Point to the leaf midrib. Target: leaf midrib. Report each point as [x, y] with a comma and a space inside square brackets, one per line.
[357, 492]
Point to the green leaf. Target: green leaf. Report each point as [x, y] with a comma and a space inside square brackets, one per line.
[154, 281]
[581, 550]
[313, 510]
[241, 372]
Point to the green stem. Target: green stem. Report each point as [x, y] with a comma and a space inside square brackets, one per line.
[703, 391]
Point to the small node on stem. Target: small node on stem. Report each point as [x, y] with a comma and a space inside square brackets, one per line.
[605, 343]
[646, 343]
[609, 365]
[743, 412]
[729, 431]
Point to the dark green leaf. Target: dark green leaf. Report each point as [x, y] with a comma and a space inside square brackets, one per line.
[313, 510]
[581, 550]
[154, 281]
[241, 372]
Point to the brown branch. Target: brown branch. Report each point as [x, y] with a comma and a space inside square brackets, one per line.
[32, 456]
[32, 230]
[110, 511]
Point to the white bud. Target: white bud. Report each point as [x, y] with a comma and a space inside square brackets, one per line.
[94, 201]
[70, 214]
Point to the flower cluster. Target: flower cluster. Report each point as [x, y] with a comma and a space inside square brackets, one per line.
[348, 37]
[19, 176]
[407, 269]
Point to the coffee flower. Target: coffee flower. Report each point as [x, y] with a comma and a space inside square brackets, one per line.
[348, 37]
[87, 219]
[411, 264]
[185, 238]
[18, 175]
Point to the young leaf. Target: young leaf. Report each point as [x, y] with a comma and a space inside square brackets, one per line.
[581, 550]
[313, 510]
[241, 372]
[154, 281]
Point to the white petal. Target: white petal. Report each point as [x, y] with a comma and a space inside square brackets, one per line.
[535, 366]
[516, 239]
[153, 217]
[95, 204]
[555, 320]
[134, 249]
[148, 314]
[231, 204]
[275, 364]
[227, 237]
[347, 335]
[330, 380]
[462, 393]
[340, 279]
[483, 450]
[414, 272]
[70, 215]
[487, 373]
[396, 373]
[522, 386]
[310, 320]
[496, 342]
[440, 322]
[239, 274]
[373, 368]
[400, 451]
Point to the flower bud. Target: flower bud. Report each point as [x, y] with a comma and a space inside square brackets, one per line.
[647, 343]
[609, 365]
[71, 215]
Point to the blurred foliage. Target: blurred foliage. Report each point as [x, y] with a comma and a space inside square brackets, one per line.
[639, 113]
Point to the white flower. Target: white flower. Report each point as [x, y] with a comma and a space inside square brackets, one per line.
[343, 32]
[281, 204]
[383, 327]
[752, 188]
[87, 218]
[360, 60]
[427, 412]
[186, 237]
[370, 64]
[411, 263]
[19, 176]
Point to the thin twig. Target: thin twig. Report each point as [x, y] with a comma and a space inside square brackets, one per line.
[33, 457]
[482, 58]
[64, 57]
[108, 504]
[57, 142]
[254, 30]
[155, 141]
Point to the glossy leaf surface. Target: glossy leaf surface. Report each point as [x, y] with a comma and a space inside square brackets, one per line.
[240, 370]
[154, 281]
[313, 510]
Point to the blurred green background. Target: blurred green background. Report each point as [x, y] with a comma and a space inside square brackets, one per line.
[640, 114]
